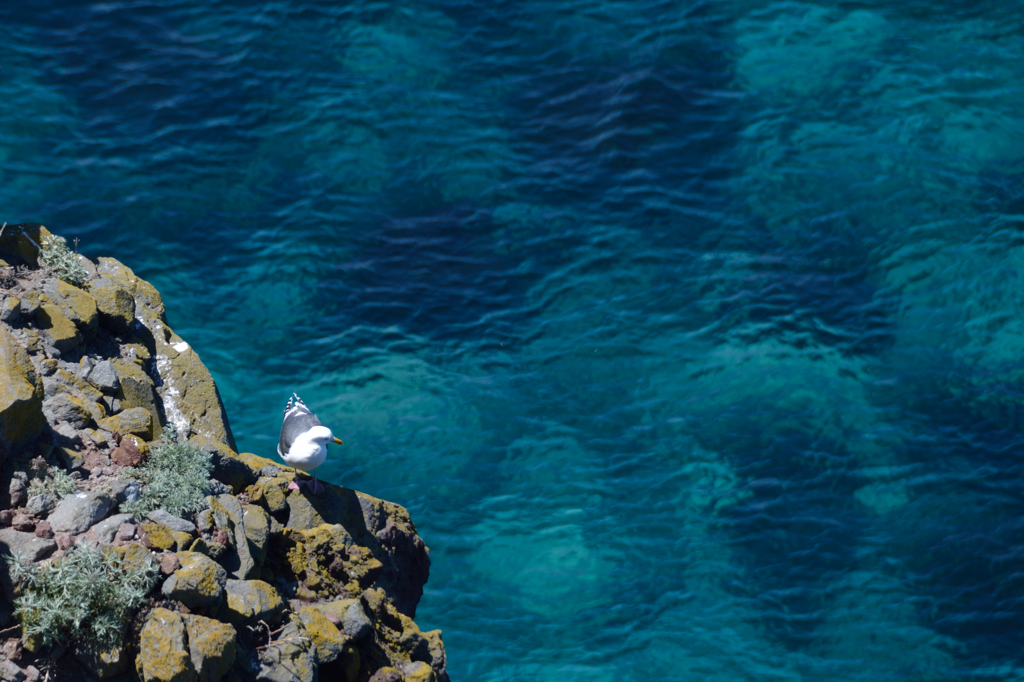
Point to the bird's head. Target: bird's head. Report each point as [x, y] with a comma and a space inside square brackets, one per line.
[323, 435]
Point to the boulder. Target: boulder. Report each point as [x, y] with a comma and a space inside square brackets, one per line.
[115, 304]
[41, 505]
[250, 601]
[327, 563]
[198, 584]
[171, 521]
[228, 514]
[103, 377]
[64, 407]
[21, 395]
[355, 621]
[256, 526]
[32, 547]
[136, 388]
[387, 674]
[75, 304]
[137, 421]
[417, 671]
[330, 642]
[78, 512]
[62, 381]
[57, 330]
[106, 530]
[163, 654]
[10, 310]
[211, 645]
[157, 536]
[290, 658]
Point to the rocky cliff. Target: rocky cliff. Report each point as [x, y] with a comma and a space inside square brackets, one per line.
[256, 582]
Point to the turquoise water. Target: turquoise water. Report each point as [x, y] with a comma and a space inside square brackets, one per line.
[690, 333]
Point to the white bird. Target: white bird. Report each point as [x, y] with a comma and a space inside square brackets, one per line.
[303, 441]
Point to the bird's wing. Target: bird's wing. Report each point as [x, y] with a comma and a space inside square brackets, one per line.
[297, 420]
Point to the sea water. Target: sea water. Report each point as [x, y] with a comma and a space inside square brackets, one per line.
[690, 333]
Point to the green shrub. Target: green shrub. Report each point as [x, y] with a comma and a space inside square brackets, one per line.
[86, 595]
[57, 483]
[175, 477]
[58, 257]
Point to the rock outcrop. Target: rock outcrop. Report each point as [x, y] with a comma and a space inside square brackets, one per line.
[264, 583]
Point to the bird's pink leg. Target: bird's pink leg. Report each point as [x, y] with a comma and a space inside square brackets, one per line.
[315, 486]
[295, 485]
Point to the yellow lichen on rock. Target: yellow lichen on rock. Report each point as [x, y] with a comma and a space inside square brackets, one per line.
[163, 654]
[211, 645]
[57, 329]
[157, 536]
[418, 671]
[198, 583]
[21, 394]
[135, 420]
[330, 642]
[327, 563]
[116, 306]
[136, 387]
[77, 305]
[253, 600]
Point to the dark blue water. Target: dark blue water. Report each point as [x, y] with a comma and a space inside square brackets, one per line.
[690, 333]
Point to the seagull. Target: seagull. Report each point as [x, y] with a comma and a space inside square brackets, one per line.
[303, 441]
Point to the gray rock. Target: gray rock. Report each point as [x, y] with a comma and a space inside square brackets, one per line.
[228, 515]
[204, 520]
[270, 471]
[33, 548]
[217, 488]
[106, 529]
[198, 583]
[291, 658]
[41, 504]
[63, 408]
[103, 377]
[355, 621]
[112, 404]
[66, 436]
[10, 672]
[250, 601]
[78, 512]
[18, 490]
[30, 303]
[10, 310]
[124, 490]
[171, 521]
[85, 366]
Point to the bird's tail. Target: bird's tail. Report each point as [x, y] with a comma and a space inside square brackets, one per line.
[293, 401]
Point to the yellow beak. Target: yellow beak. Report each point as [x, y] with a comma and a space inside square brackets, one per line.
[338, 441]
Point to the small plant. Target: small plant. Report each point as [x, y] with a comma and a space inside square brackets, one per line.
[87, 595]
[56, 256]
[56, 482]
[176, 477]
